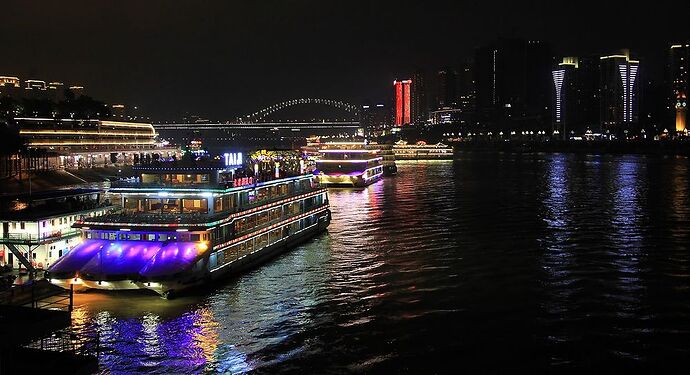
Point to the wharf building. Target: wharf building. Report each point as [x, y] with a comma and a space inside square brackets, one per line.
[619, 87]
[36, 229]
[679, 56]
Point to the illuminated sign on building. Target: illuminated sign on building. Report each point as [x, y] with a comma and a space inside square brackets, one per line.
[233, 159]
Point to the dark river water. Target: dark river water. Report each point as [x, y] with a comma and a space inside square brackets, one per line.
[490, 262]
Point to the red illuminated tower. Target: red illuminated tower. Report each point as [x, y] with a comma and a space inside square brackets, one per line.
[402, 102]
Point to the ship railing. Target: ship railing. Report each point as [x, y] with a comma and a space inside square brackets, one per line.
[186, 218]
[261, 178]
[28, 238]
[136, 184]
[69, 340]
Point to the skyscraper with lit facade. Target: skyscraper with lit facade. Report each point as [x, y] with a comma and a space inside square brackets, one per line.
[564, 77]
[679, 55]
[402, 102]
[619, 86]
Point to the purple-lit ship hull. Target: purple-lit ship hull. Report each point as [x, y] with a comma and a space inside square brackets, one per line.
[242, 226]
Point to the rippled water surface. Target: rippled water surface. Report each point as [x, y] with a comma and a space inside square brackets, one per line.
[492, 261]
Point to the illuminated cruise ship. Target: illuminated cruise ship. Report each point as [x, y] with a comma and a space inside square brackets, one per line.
[348, 164]
[82, 142]
[183, 226]
[422, 151]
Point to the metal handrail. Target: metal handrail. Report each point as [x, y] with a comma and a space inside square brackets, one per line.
[34, 238]
[186, 218]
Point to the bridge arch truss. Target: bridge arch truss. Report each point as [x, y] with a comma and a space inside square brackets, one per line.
[265, 112]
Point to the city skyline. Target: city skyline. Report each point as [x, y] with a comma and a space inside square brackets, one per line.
[225, 59]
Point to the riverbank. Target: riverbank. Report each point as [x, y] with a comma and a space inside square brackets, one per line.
[60, 179]
[681, 148]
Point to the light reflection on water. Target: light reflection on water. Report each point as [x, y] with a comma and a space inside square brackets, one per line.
[491, 261]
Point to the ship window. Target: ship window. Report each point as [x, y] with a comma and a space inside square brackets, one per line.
[133, 205]
[153, 205]
[134, 237]
[123, 236]
[261, 242]
[261, 218]
[275, 236]
[195, 205]
[151, 237]
[196, 237]
[162, 237]
[171, 205]
[262, 194]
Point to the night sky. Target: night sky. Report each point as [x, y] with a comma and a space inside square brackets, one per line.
[221, 59]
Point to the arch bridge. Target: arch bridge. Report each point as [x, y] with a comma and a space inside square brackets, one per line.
[265, 112]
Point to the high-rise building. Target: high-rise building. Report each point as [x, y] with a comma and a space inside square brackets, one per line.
[679, 58]
[77, 90]
[565, 95]
[419, 103]
[513, 85]
[619, 93]
[374, 120]
[466, 89]
[118, 111]
[56, 91]
[35, 88]
[10, 86]
[446, 88]
[575, 93]
[402, 102]
[588, 95]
